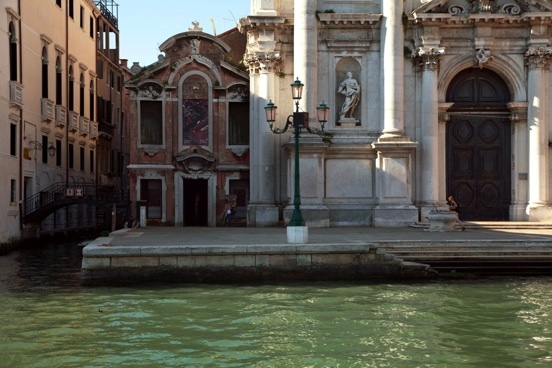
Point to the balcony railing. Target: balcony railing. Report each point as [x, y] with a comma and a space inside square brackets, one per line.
[93, 130]
[16, 94]
[73, 121]
[61, 116]
[109, 10]
[84, 125]
[47, 110]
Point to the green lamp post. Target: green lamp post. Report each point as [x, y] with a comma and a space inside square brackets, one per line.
[299, 120]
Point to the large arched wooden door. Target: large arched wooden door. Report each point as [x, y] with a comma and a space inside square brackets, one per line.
[478, 145]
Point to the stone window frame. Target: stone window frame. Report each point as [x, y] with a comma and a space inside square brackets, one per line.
[182, 146]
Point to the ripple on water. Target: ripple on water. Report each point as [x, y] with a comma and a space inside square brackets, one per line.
[49, 321]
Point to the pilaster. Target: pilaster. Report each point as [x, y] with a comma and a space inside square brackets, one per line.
[538, 57]
[264, 61]
[430, 56]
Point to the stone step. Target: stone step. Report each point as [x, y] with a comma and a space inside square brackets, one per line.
[494, 225]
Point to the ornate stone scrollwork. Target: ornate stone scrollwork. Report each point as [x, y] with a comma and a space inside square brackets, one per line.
[194, 46]
[430, 57]
[150, 90]
[457, 10]
[444, 116]
[483, 56]
[195, 28]
[195, 164]
[511, 8]
[263, 61]
[537, 57]
[151, 151]
[239, 151]
[238, 93]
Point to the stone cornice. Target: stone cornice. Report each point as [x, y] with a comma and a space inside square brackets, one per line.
[251, 22]
[491, 18]
[349, 18]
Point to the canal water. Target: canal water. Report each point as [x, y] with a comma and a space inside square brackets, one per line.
[48, 319]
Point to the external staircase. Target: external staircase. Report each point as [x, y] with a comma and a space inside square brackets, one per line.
[512, 256]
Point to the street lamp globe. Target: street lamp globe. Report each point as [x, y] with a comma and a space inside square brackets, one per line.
[297, 89]
[270, 112]
[322, 111]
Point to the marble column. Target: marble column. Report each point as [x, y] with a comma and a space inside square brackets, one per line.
[520, 161]
[305, 52]
[262, 209]
[537, 97]
[429, 148]
[392, 44]
[393, 147]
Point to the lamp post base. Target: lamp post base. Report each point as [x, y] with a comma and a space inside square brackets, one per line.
[297, 234]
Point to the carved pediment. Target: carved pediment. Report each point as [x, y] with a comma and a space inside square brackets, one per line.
[150, 89]
[460, 7]
[238, 92]
[195, 163]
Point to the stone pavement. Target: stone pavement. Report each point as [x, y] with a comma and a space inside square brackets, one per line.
[476, 233]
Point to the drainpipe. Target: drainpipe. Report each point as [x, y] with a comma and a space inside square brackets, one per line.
[21, 121]
[67, 81]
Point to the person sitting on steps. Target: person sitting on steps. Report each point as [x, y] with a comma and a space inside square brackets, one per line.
[453, 206]
[230, 212]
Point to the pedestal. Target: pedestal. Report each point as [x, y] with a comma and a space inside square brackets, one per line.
[348, 122]
[297, 234]
[442, 220]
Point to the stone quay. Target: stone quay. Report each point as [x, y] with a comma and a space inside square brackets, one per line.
[222, 255]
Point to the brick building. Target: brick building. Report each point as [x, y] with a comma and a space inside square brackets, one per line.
[189, 136]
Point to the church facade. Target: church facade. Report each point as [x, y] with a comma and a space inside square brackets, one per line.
[189, 139]
[428, 98]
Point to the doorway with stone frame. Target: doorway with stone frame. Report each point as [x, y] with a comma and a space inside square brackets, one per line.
[195, 198]
[478, 145]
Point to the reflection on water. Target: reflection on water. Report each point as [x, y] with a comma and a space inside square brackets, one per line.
[49, 320]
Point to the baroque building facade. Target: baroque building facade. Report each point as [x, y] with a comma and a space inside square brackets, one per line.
[189, 111]
[429, 98]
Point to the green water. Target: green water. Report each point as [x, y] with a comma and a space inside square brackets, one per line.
[48, 320]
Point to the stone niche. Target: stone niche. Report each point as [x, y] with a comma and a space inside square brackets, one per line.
[348, 92]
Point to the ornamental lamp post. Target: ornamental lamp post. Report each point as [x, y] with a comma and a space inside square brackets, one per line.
[297, 232]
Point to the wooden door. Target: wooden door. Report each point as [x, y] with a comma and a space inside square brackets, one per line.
[478, 146]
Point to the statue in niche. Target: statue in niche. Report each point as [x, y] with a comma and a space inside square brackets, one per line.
[351, 90]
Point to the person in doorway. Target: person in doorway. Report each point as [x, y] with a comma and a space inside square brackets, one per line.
[453, 206]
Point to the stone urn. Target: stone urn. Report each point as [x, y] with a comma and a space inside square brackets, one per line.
[442, 220]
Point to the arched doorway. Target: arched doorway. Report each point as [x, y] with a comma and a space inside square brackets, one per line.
[478, 148]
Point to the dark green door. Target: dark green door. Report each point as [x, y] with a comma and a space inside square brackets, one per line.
[478, 146]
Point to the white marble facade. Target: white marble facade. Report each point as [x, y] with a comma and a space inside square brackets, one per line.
[395, 157]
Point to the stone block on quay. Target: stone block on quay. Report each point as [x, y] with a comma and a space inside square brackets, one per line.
[283, 260]
[185, 261]
[304, 259]
[272, 249]
[262, 260]
[219, 261]
[93, 262]
[244, 260]
[104, 251]
[134, 262]
[168, 261]
[170, 250]
[332, 259]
